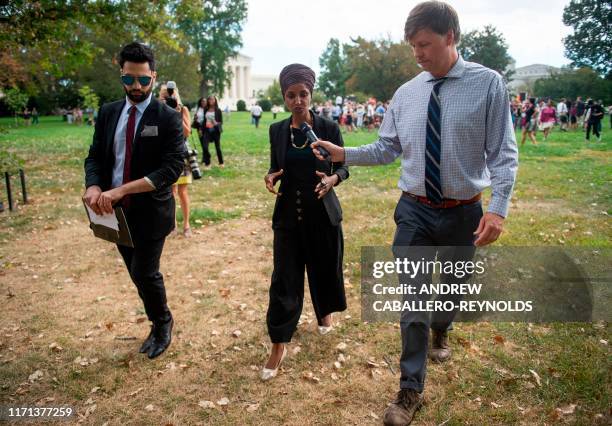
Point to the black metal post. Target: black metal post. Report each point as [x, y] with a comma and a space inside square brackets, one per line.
[24, 191]
[9, 195]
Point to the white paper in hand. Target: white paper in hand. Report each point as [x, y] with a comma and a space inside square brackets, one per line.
[108, 219]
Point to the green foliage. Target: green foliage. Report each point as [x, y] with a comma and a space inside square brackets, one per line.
[51, 48]
[10, 162]
[590, 44]
[359, 96]
[16, 100]
[241, 105]
[265, 104]
[273, 92]
[573, 83]
[378, 67]
[213, 29]
[487, 47]
[318, 97]
[90, 99]
[334, 70]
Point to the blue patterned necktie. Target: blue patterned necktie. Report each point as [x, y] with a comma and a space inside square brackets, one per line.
[433, 182]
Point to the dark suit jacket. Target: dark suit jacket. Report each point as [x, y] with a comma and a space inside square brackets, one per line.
[150, 215]
[279, 136]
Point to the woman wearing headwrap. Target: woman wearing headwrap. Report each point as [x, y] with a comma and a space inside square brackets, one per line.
[306, 219]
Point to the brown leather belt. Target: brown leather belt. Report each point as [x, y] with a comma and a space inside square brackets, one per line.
[445, 204]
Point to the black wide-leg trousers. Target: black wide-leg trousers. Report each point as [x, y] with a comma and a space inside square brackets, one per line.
[318, 249]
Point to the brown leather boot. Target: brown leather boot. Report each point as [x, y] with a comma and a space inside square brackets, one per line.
[401, 411]
[440, 350]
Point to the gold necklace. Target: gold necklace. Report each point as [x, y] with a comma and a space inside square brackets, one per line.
[292, 138]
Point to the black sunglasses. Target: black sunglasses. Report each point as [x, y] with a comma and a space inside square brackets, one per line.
[128, 80]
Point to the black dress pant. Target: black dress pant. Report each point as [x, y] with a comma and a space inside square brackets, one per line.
[442, 234]
[318, 248]
[206, 138]
[142, 263]
[595, 126]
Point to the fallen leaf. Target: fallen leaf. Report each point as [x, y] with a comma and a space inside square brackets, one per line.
[499, 339]
[150, 407]
[55, 347]
[536, 376]
[566, 410]
[311, 377]
[35, 376]
[136, 392]
[206, 404]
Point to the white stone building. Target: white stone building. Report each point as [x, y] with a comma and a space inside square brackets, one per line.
[243, 84]
[523, 78]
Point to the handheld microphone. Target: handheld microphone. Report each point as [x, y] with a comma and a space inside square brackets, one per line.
[312, 137]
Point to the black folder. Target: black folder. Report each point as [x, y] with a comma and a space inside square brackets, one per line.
[122, 237]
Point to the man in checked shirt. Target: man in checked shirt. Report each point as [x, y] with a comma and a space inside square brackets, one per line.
[452, 128]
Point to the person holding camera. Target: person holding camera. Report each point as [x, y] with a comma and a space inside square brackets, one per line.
[306, 221]
[209, 122]
[169, 94]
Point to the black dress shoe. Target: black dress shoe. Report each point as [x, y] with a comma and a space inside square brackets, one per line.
[162, 336]
[146, 345]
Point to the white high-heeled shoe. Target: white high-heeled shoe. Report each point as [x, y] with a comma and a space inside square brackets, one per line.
[323, 330]
[270, 373]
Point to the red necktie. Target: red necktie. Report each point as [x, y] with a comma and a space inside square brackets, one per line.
[129, 138]
[127, 162]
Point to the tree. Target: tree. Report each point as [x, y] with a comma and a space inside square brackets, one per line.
[488, 48]
[378, 67]
[274, 93]
[334, 72]
[213, 28]
[591, 43]
[90, 99]
[571, 83]
[16, 100]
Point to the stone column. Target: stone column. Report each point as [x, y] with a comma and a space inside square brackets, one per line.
[238, 82]
[247, 82]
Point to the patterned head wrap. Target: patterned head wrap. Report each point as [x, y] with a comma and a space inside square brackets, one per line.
[295, 74]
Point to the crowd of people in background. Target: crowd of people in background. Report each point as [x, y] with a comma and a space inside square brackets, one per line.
[352, 115]
[543, 114]
[528, 116]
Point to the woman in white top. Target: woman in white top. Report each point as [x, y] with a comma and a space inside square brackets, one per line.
[209, 122]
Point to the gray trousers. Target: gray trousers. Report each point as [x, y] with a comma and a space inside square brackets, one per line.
[444, 234]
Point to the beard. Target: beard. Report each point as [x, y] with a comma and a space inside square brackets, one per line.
[137, 96]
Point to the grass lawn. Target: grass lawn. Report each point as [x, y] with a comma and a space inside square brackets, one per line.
[71, 313]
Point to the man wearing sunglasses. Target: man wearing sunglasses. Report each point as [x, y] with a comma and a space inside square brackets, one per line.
[136, 156]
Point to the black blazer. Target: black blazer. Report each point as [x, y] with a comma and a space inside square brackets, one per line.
[158, 157]
[279, 136]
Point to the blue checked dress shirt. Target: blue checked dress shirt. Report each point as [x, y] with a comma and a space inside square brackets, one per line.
[478, 146]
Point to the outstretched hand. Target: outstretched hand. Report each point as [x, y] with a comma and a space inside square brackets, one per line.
[336, 153]
[270, 180]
